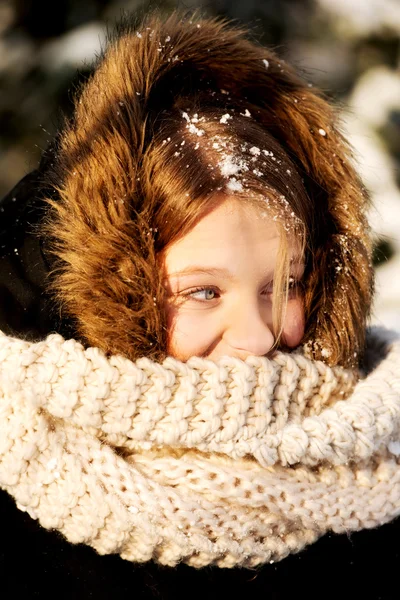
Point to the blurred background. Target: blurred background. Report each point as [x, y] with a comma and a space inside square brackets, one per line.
[349, 48]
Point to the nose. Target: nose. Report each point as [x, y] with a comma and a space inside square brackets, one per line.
[249, 333]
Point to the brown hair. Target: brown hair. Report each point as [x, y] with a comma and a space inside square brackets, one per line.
[123, 190]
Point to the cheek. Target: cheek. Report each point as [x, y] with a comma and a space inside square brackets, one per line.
[293, 328]
[188, 335]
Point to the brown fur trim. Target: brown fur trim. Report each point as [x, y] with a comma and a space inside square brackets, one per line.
[99, 227]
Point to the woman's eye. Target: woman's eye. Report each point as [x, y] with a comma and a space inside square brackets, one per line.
[201, 294]
[293, 286]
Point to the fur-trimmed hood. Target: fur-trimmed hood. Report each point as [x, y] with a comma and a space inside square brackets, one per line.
[98, 229]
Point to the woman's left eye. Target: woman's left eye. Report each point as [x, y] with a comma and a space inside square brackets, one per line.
[292, 283]
[293, 286]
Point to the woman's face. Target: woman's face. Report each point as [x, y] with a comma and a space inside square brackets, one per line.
[219, 281]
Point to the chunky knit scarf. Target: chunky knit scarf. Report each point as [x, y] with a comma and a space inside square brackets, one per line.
[228, 463]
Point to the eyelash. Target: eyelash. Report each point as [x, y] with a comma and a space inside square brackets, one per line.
[294, 284]
[189, 293]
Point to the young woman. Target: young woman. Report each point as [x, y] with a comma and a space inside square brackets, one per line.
[198, 229]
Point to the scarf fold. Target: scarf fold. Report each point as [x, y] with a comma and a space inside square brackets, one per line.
[231, 463]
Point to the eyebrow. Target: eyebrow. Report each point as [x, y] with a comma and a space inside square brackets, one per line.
[220, 272]
[197, 270]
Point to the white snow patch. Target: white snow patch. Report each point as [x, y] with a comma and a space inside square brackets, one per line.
[234, 185]
[193, 129]
[255, 151]
[73, 48]
[191, 123]
[378, 82]
[360, 18]
[325, 352]
[230, 165]
[225, 118]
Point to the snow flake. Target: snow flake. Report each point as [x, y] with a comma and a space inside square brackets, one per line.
[231, 166]
[225, 118]
[255, 151]
[193, 129]
[190, 123]
[234, 185]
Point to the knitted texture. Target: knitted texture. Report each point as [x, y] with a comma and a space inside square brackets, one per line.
[229, 462]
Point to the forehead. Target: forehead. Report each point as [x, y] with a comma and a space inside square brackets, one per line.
[233, 230]
[230, 220]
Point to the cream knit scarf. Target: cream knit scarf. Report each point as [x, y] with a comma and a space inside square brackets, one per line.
[227, 463]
